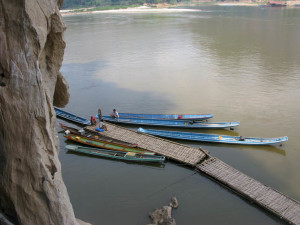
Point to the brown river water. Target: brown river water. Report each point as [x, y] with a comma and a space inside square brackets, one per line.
[238, 63]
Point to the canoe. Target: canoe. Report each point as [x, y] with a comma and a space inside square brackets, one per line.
[94, 135]
[72, 130]
[276, 4]
[105, 144]
[214, 138]
[127, 156]
[172, 123]
[167, 116]
[71, 117]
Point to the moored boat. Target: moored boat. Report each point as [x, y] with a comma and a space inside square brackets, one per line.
[71, 117]
[195, 117]
[277, 3]
[172, 123]
[127, 156]
[98, 143]
[94, 135]
[214, 138]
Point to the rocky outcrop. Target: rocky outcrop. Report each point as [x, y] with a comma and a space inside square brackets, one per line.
[80, 222]
[31, 52]
[163, 216]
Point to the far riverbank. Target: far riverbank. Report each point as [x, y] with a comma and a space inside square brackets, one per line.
[129, 9]
[162, 7]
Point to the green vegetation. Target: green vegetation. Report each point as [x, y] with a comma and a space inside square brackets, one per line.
[110, 4]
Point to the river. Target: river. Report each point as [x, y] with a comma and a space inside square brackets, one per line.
[238, 63]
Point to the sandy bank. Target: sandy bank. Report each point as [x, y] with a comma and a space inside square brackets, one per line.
[289, 3]
[141, 9]
[238, 4]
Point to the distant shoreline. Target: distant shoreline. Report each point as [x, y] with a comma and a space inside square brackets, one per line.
[140, 9]
[161, 8]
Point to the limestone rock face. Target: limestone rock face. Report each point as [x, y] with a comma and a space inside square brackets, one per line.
[31, 53]
[61, 94]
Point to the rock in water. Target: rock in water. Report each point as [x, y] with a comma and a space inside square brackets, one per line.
[163, 216]
[31, 53]
[174, 203]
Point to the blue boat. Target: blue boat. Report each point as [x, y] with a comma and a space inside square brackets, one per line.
[172, 123]
[214, 138]
[71, 117]
[127, 156]
[195, 117]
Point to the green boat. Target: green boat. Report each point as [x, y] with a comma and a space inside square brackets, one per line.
[127, 156]
[98, 143]
[94, 135]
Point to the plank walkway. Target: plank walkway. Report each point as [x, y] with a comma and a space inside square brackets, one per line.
[268, 198]
[251, 189]
[173, 150]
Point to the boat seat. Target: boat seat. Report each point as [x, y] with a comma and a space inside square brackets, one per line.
[130, 154]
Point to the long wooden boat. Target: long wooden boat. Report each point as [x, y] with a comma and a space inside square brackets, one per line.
[94, 135]
[214, 138]
[195, 117]
[277, 3]
[71, 117]
[98, 143]
[172, 123]
[127, 156]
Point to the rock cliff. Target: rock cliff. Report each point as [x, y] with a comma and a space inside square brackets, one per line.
[31, 52]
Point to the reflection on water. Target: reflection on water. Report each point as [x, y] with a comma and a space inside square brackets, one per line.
[274, 149]
[240, 64]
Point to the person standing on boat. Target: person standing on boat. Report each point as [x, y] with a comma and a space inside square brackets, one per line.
[99, 114]
[115, 114]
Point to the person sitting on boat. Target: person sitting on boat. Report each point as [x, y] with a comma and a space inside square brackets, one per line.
[99, 114]
[102, 125]
[93, 120]
[115, 114]
[242, 138]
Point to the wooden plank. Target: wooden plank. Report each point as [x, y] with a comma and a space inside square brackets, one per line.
[173, 150]
[263, 195]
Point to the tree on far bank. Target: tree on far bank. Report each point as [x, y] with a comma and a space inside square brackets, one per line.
[73, 4]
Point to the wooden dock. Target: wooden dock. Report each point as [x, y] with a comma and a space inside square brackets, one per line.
[170, 149]
[251, 189]
[273, 201]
